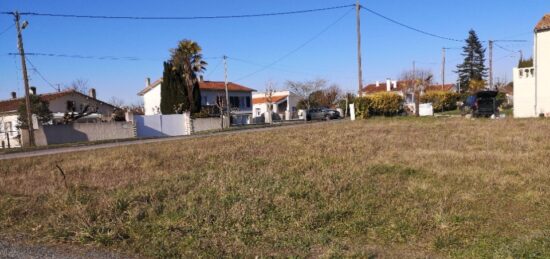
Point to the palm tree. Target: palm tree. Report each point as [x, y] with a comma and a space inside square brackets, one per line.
[187, 60]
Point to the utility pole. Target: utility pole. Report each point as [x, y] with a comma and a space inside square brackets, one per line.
[491, 64]
[359, 66]
[416, 92]
[227, 104]
[443, 69]
[25, 76]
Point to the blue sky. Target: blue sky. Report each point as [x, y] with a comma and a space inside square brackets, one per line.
[388, 49]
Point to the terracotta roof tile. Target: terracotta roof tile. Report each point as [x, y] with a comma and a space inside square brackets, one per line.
[544, 24]
[205, 85]
[274, 99]
[13, 104]
[213, 85]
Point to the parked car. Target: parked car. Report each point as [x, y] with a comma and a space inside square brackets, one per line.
[322, 114]
[482, 104]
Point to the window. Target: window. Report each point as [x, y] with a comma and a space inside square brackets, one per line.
[258, 112]
[242, 102]
[248, 102]
[234, 101]
[70, 106]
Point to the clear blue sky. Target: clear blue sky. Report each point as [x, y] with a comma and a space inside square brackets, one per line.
[388, 49]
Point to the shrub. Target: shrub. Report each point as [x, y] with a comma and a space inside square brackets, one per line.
[362, 106]
[441, 100]
[386, 104]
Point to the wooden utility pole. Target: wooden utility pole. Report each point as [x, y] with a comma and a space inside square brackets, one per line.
[416, 92]
[491, 64]
[227, 104]
[443, 70]
[25, 77]
[359, 66]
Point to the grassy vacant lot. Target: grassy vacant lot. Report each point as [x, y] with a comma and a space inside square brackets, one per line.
[381, 187]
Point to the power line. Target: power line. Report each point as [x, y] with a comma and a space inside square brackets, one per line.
[40, 75]
[506, 49]
[77, 56]
[7, 29]
[215, 68]
[296, 49]
[181, 17]
[410, 27]
[264, 65]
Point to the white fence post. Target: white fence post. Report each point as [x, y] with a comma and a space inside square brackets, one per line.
[187, 127]
[352, 111]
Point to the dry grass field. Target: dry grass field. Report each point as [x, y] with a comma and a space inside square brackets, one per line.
[375, 188]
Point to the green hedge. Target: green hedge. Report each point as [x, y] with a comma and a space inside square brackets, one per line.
[441, 100]
[386, 104]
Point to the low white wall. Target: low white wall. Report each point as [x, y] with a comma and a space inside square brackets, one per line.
[205, 124]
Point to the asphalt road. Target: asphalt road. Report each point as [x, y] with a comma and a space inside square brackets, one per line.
[43, 152]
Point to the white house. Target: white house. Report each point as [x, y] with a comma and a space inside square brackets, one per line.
[59, 104]
[212, 92]
[284, 104]
[532, 84]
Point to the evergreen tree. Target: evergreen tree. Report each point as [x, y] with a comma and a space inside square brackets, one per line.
[196, 105]
[167, 94]
[173, 96]
[40, 108]
[473, 67]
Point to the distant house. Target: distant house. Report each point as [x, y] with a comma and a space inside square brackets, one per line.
[60, 103]
[212, 93]
[532, 84]
[284, 104]
[401, 88]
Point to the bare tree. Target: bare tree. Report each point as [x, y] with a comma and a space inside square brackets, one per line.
[117, 102]
[79, 85]
[416, 81]
[333, 94]
[306, 88]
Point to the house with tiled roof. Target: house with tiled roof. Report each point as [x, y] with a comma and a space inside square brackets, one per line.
[60, 103]
[532, 84]
[212, 93]
[283, 104]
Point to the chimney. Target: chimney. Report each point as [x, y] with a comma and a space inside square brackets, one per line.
[377, 83]
[201, 78]
[147, 81]
[33, 90]
[394, 84]
[91, 93]
[388, 84]
[13, 95]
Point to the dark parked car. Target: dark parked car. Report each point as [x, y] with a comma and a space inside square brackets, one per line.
[322, 114]
[482, 104]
